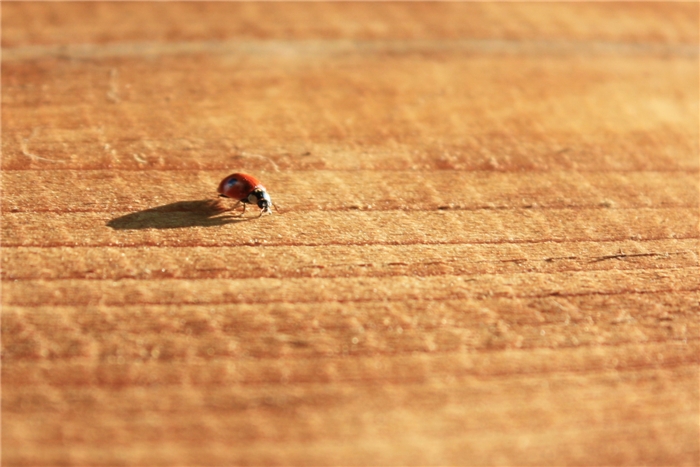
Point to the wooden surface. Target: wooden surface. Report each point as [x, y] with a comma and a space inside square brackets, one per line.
[486, 251]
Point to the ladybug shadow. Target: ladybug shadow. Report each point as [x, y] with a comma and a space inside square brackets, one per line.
[199, 213]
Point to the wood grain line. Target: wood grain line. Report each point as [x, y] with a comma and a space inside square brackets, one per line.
[330, 48]
[315, 290]
[228, 168]
[343, 368]
[257, 244]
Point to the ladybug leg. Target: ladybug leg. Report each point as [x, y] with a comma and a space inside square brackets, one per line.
[266, 210]
[235, 206]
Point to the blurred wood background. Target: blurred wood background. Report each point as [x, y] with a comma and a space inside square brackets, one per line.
[486, 250]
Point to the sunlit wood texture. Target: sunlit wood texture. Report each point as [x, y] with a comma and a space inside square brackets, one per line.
[486, 250]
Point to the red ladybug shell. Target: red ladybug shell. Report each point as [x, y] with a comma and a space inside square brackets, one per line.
[238, 186]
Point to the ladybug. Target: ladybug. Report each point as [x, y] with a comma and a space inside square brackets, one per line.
[247, 190]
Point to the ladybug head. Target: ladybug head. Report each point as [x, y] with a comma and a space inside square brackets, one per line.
[260, 197]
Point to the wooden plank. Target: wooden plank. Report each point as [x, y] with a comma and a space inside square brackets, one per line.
[485, 252]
